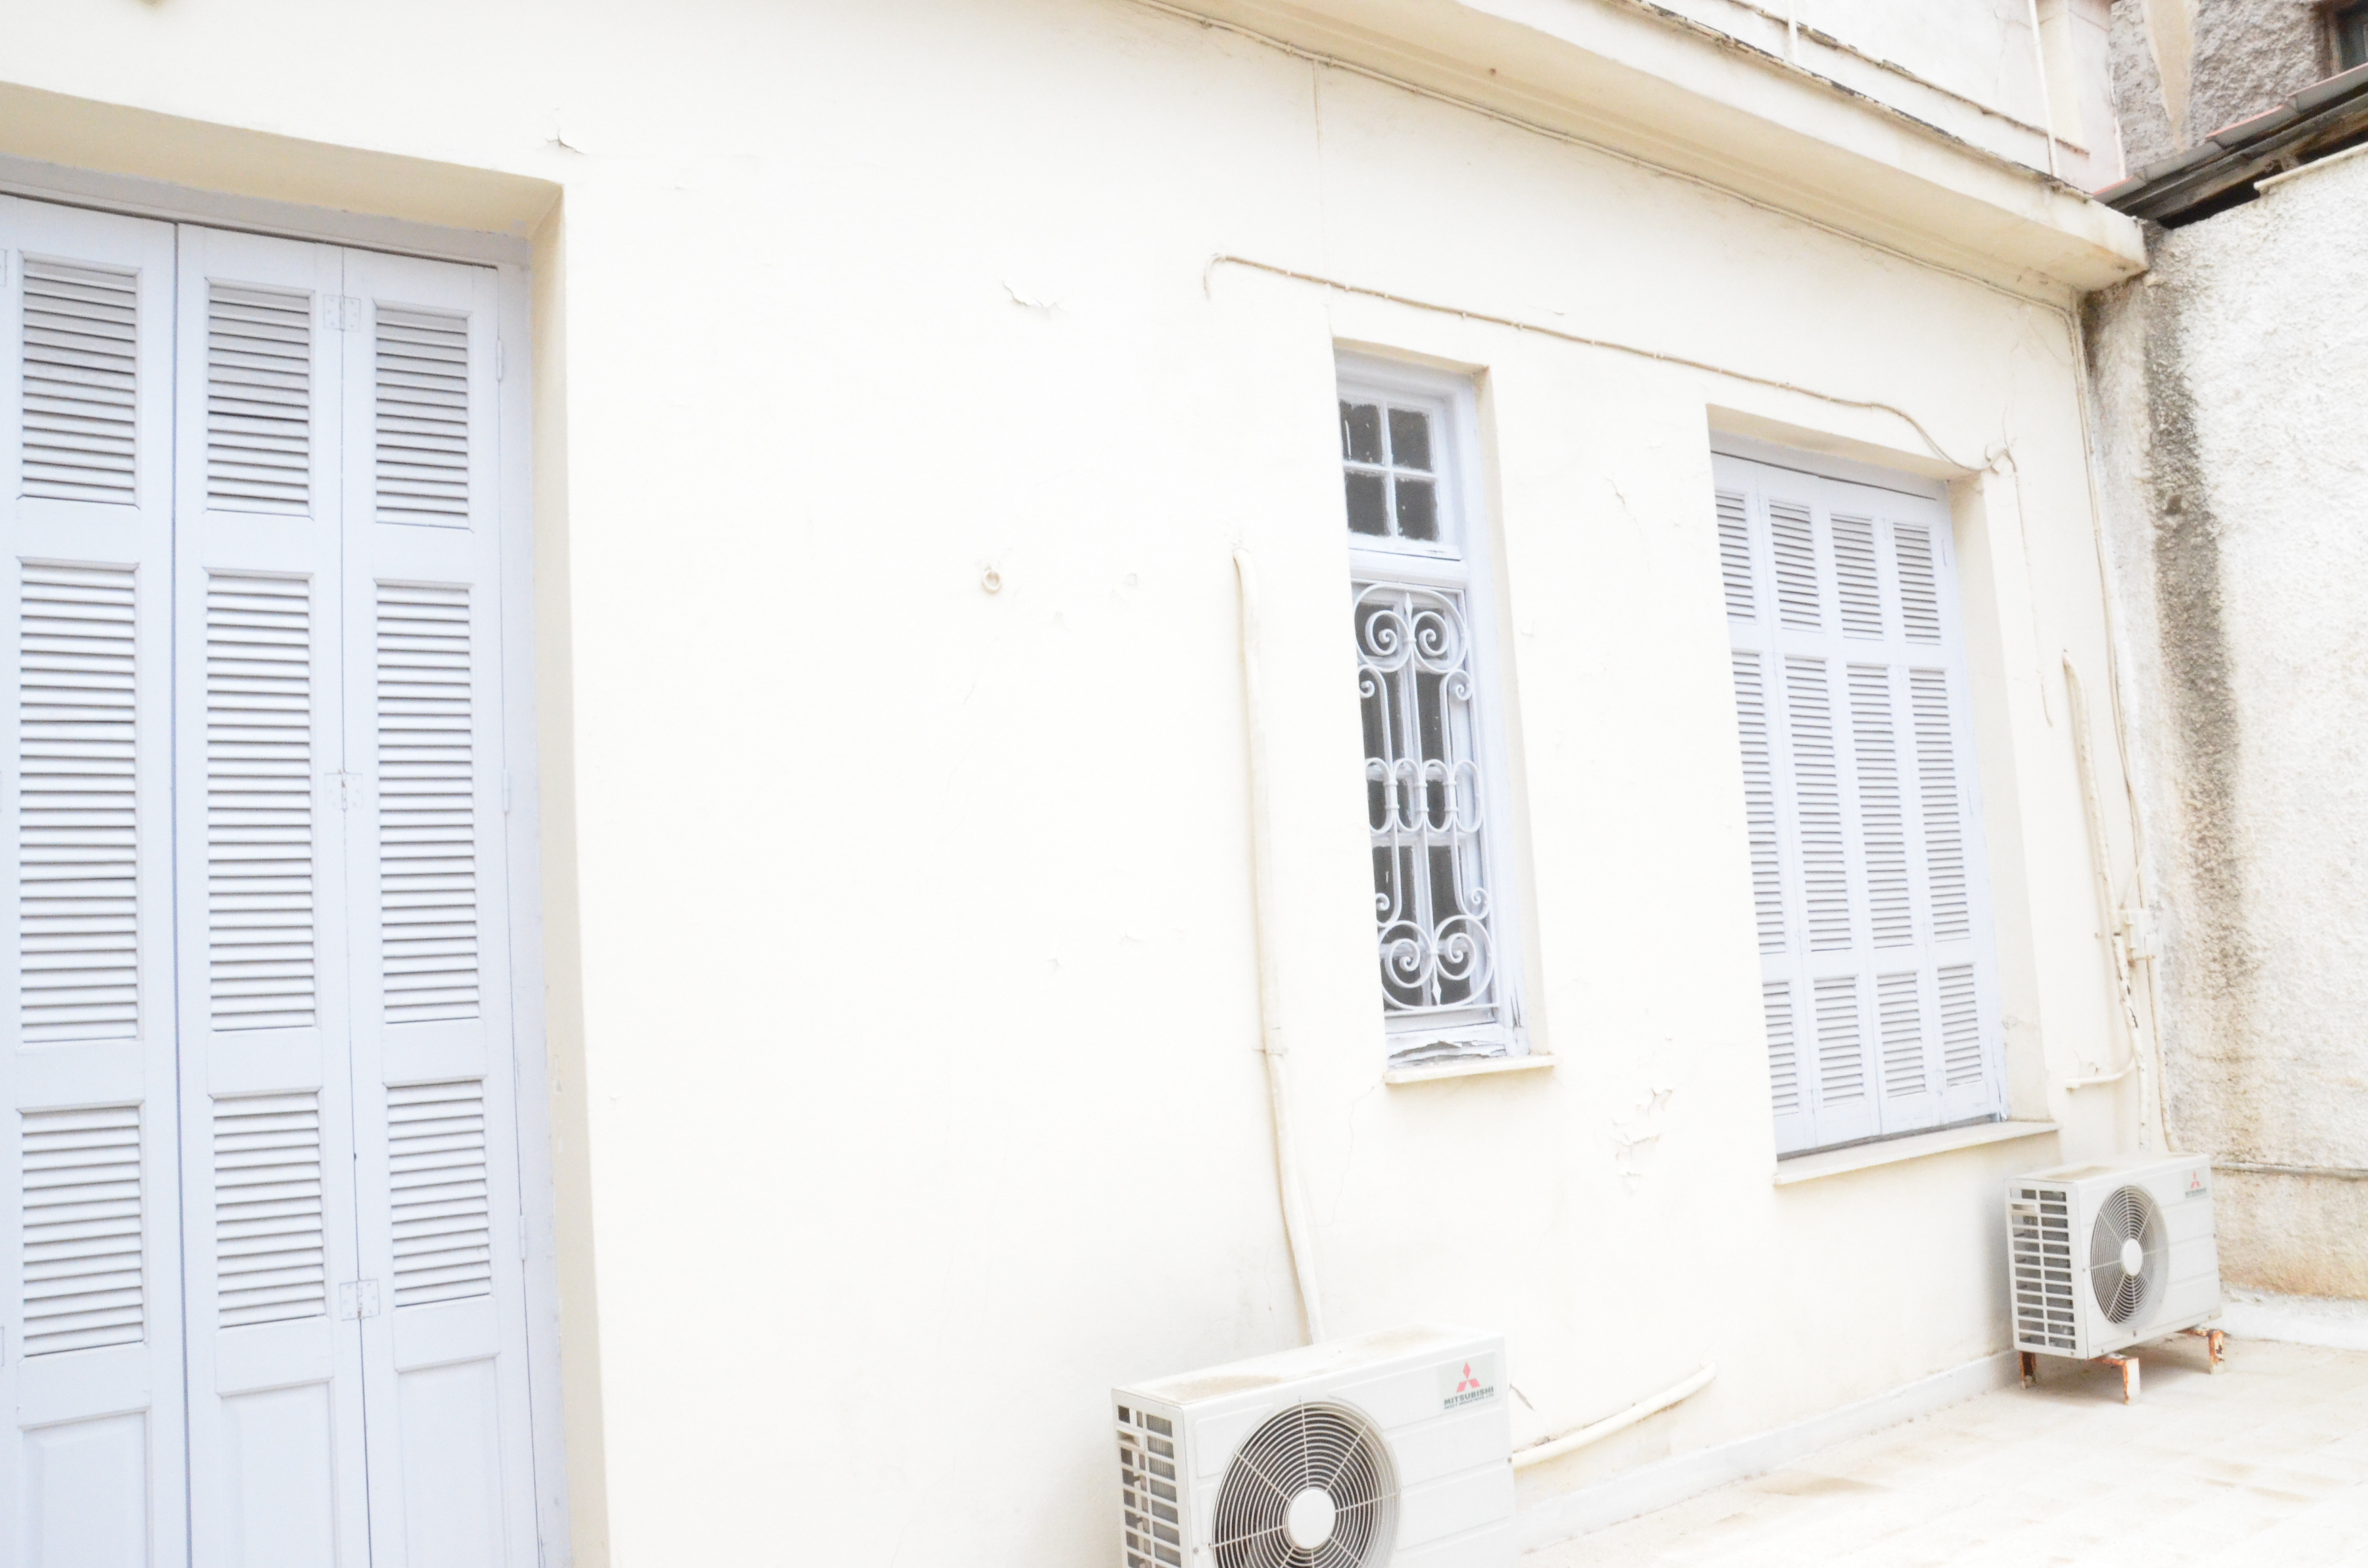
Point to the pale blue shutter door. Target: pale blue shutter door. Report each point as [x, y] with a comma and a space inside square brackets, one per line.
[276, 1456]
[1746, 568]
[1870, 898]
[91, 1463]
[434, 1091]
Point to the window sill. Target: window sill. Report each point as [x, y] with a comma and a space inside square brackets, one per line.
[1892, 1151]
[1476, 1067]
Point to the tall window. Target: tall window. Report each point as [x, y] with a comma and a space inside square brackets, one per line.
[1878, 977]
[1432, 777]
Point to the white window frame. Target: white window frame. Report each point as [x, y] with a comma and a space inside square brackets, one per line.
[1461, 563]
[1827, 487]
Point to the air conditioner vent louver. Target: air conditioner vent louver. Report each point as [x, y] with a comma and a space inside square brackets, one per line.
[2042, 1268]
[1310, 1489]
[1146, 1459]
[2128, 1230]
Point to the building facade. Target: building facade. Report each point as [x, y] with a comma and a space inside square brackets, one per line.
[980, 606]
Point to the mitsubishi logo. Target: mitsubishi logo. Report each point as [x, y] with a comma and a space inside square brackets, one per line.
[1467, 1382]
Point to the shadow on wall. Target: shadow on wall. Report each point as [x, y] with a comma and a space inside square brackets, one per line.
[2296, 1236]
[2209, 962]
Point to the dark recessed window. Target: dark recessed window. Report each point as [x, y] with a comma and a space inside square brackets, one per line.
[2351, 37]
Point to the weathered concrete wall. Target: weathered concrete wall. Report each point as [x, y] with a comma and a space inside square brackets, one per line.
[2149, 130]
[2295, 1235]
[2182, 69]
[2248, 55]
[2231, 380]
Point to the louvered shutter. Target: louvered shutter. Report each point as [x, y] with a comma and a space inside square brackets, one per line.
[276, 1397]
[1870, 910]
[90, 1371]
[434, 1095]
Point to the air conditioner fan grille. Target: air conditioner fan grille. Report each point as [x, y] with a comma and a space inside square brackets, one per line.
[2125, 1295]
[1309, 1448]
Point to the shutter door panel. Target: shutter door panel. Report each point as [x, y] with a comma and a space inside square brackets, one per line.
[276, 1392]
[1878, 986]
[91, 1463]
[437, 1165]
[257, 727]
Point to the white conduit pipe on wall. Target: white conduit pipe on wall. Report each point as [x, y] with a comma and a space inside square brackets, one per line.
[2047, 94]
[2116, 956]
[1570, 1442]
[1277, 1083]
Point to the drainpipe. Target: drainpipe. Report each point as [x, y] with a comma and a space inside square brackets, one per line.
[2046, 97]
[2117, 954]
[1295, 1225]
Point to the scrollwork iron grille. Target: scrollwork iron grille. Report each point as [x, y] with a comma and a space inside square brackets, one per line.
[1426, 795]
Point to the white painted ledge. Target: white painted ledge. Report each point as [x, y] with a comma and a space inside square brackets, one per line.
[1479, 1067]
[1892, 1151]
[2305, 171]
[2298, 1320]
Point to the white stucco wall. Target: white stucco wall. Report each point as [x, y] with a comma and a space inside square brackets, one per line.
[1978, 53]
[1982, 50]
[915, 1097]
[2233, 376]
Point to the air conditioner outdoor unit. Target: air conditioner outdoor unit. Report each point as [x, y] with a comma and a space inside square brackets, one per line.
[2107, 1254]
[1391, 1449]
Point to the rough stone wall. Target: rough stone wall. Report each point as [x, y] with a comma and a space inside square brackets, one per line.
[2147, 134]
[2248, 55]
[2230, 380]
[2227, 60]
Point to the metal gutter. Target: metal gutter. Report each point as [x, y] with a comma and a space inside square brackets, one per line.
[2224, 169]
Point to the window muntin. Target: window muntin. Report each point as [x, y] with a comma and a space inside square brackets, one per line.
[1432, 777]
[1393, 486]
[1877, 970]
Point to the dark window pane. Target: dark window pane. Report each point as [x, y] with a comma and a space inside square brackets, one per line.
[1417, 509]
[1410, 439]
[1430, 728]
[1360, 432]
[2351, 38]
[1368, 512]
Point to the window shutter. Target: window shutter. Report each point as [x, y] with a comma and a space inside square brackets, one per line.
[91, 1466]
[1876, 972]
[275, 1378]
[263, 1297]
[429, 933]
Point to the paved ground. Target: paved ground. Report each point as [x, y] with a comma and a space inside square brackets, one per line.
[2265, 1464]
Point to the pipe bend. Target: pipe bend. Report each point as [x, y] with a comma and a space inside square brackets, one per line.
[2127, 1068]
[1571, 1442]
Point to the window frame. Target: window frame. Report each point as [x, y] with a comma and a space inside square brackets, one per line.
[1463, 563]
[2346, 27]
